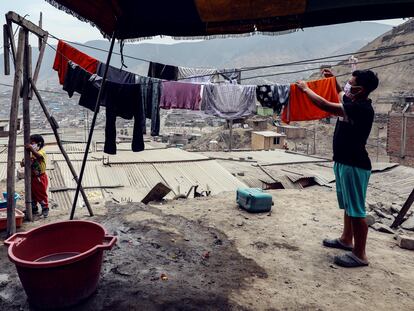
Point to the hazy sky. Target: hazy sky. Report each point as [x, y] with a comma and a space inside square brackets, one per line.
[68, 27]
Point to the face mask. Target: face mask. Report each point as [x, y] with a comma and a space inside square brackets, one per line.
[35, 147]
[347, 90]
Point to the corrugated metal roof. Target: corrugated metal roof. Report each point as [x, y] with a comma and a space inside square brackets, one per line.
[155, 155]
[272, 157]
[3, 171]
[269, 134]
[48, 137]
[132, 181]
[397, 182]
[126, 146]
[208, 175]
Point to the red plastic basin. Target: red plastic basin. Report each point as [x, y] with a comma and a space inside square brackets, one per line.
[59, 264]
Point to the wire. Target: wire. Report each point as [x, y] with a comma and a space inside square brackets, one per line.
[312, 69]
[40, 90]
[269, 75]
[243, 69]
[393, 47]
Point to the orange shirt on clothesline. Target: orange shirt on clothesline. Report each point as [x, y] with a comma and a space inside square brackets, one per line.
[64, 53]
[301, 108]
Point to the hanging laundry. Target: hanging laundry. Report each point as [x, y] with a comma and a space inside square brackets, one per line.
[122, 76]
[64, 53]
[301, 108]
[229, 75]
[229, 101]
[122, 100]
[180, 95]
[115, 74]
[161, 71]
[197, 75]
[81, 81]
[75, 79]
[274, 96]
[150, 98]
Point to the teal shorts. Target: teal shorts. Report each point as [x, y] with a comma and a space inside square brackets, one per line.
[351, 189]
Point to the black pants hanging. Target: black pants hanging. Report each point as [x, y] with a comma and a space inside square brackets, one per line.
[122, 100]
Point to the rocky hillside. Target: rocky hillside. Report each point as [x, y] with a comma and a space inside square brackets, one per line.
[233, 52]
[395, 79]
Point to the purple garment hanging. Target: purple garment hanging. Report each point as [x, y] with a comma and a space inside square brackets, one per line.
[179, 95]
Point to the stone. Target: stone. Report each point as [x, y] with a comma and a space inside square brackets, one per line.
[371, 205]
[408, 224]
[405, 242]
[382, 228]
[381, 213]
[4, 279]
[370, 219]
[387, 221]
[395, 208]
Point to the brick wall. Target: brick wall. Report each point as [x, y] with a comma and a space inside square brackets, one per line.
[396, 124]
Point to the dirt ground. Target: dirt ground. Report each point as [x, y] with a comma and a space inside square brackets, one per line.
[218, 257]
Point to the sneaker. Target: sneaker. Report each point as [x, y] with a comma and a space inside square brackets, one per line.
[35, 210]
[45, 212]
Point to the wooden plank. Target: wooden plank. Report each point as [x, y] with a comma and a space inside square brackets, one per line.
[404, 210]
[38, 63]
[11, 40]
[21, 21]
[6, 50]
[40, 26]
[156, 193]
[54, 126]
[11, 149]
[26, 126]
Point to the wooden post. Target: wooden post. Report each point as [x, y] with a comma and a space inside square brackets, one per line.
[403, 210]
[40, 26]
[95, 114]
[42, 47]
[231, 135]
[11, 150]
[26, 123]
[11, 41]
[54, 126]
[6, 50]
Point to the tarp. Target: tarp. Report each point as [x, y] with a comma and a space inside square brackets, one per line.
[209, 18]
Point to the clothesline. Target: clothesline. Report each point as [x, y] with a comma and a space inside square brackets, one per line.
[267, 75]
[371, 59]
[301, 62]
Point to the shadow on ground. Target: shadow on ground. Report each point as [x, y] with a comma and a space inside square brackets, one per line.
[161, 262]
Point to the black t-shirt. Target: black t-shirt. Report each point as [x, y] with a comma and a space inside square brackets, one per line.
[352, 133]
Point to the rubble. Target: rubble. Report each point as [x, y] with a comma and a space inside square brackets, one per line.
[408, 224]
[382, 228]
[405, 242]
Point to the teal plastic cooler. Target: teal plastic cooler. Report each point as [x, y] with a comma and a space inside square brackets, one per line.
[254, 200]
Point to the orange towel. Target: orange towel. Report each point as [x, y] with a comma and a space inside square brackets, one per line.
[301, 108]
[64, 53]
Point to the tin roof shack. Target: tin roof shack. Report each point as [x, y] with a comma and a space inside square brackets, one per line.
[258, 123]
[292, 132]
[400, 138]
[4, 126]
[267, 140]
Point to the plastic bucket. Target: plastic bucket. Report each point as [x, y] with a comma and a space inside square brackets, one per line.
[3, 203]
[59, 264]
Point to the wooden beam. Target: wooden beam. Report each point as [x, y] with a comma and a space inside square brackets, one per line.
[21, 21]
[26, 126]
[6, 50]
[38, 63]
[40, 26]
[404, 210]
[11, 40]
[54, 126]
[11, 149]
